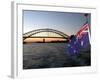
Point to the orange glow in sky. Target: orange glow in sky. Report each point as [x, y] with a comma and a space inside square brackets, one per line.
[41, 39]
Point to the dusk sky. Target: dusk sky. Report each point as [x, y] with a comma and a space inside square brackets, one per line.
[69, 23]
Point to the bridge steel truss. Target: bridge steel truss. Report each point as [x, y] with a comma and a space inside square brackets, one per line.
[33, 32]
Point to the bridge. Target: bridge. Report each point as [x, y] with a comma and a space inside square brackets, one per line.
[49, 33]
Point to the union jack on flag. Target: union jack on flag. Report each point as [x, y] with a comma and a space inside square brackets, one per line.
[83, 30]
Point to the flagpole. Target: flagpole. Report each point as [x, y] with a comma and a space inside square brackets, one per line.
[86, 16]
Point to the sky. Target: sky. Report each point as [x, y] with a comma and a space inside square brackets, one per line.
[67, 22]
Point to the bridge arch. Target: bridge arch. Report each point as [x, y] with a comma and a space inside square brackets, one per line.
[33, 32]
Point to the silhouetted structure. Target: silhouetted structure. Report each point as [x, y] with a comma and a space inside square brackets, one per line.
[44, 40]
[33, 32]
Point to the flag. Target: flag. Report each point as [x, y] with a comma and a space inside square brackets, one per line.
[83, 30]
[83, 36]
[79, 41]
[73, 46]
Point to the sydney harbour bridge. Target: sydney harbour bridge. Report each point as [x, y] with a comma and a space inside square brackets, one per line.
[38, 53]
[44, 34]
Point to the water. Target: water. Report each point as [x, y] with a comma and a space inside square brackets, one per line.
[51, 55]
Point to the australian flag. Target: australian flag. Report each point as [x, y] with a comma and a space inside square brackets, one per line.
[83, 36]
[79, 41]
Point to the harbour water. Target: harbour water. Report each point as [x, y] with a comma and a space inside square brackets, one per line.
[52, 55]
